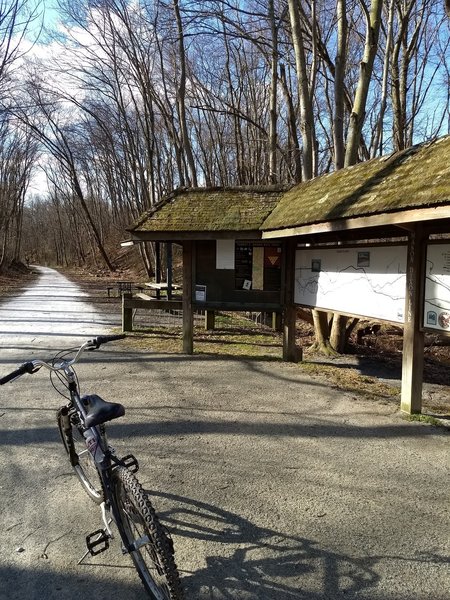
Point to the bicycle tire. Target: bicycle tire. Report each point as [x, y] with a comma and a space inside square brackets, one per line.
[136, 519]
[82, 462]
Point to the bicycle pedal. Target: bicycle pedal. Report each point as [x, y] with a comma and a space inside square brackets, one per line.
[130, 462]
[99, 544]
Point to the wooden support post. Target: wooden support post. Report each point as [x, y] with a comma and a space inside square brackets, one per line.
[127, 314]
[210, 319]
[169, 260]
[157, 262]
[276, 321]
[188, 317]
[413, 337]
[290, 353]
[158, 267]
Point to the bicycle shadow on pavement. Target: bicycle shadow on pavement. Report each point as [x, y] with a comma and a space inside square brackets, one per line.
[249, 562]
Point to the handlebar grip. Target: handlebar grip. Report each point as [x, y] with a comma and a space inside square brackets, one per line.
[27, 367]
[104, 339]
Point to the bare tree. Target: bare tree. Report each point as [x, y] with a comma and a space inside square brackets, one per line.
[373, 22]
[418, 52]
[304, 91]
[17, 153]
[50, 125]
[16, 19]
[377, 144]
[339, 78]
[17, 156]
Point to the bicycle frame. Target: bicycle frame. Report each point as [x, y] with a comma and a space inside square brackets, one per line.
[89, 433]
[104, 458]
[108, 479]
[95, 444]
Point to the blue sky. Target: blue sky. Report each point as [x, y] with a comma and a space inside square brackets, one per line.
[48, 15]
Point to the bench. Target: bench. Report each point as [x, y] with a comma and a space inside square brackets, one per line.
[159, 287]
[144, 296]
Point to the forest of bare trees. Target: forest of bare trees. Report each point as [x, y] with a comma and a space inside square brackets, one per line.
[120, 101]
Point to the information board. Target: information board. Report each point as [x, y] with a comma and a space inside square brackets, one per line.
[225, 254]
[362, 281]
[437, 287]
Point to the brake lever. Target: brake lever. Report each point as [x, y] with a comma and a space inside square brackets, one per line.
[91, 345]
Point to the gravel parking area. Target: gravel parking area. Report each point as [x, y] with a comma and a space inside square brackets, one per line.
[275, 484]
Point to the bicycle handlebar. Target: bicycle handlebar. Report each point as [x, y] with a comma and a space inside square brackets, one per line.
[104, 339]
[34, 365]
[27, 367]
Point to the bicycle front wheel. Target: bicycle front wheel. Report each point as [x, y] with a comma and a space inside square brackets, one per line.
[80, 458]
[145, 539]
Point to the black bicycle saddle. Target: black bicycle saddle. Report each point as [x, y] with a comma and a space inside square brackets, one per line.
[99, 410]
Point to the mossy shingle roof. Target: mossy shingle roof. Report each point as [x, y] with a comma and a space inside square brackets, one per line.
[418, 177]
[221, 209]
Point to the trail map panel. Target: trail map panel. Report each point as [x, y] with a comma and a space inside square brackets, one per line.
[363, 281]
[437, 287]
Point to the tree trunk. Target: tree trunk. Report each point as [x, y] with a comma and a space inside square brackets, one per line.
[366, 68]
[181, 98]
[78, 191]
[306, 111]
[273, 111]
[3, 250]
[377, 145]
[145, 256]
[294, 145]
[322, 342]
[340, 64]
[337, 337]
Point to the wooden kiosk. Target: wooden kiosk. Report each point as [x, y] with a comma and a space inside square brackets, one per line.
[242, 248]
[226, 264]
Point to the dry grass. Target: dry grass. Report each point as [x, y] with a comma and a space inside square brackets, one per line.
[14, 279]
[237, 337]
[350, 380]
[253, 342]
[236, 342]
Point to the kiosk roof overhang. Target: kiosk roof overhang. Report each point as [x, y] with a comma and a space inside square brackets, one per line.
[208, 213]
[386, 193]
[380, 198]
[389, 225]
[180, 236]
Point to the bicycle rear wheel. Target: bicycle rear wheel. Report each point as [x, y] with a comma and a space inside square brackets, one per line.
[80, 458]
[145, 539]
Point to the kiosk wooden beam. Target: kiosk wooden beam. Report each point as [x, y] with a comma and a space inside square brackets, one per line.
[188, 316]
[413, 336]
[129, 304]
[290, 353]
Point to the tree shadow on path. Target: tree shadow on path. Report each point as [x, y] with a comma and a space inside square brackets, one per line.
[260, 563]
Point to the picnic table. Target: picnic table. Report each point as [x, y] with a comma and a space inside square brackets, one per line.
[121, 286]
[160, 287]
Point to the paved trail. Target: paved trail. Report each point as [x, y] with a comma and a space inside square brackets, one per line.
[49, 314]
[275, 485]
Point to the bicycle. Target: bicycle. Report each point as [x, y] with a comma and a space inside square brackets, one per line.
[107, 479]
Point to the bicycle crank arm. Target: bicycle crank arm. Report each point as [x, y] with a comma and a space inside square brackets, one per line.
[142, 541]
[106, 520]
